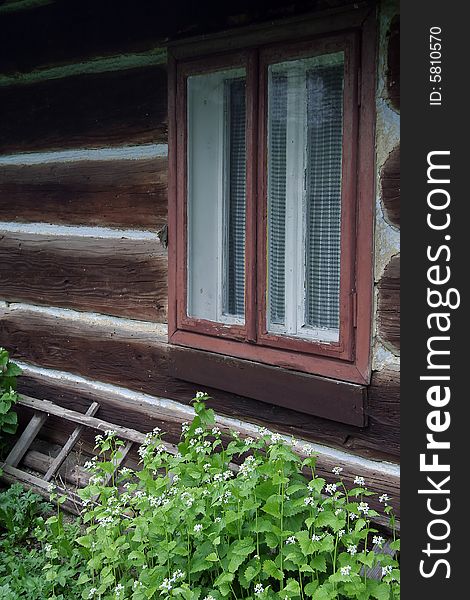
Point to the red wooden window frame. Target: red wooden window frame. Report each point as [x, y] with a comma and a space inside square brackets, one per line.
[349, 359]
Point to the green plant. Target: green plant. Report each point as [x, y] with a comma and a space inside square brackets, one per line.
[38, 559]
[19, 512]
[191, 526]
[8, 396]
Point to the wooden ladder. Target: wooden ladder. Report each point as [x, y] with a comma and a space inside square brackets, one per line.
[42, 409]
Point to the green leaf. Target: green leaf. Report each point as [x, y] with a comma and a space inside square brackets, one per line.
[271, 570]
[212, 557]
[319, 563]
[310, 588]
[273, 506]
[292, 588]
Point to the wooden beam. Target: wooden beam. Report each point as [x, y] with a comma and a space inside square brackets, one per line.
[109, 193]
[122, 277]
[26, 438]
[68, 446]
[88, 111]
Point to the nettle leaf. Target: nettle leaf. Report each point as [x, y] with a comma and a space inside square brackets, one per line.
[252, 570]
[271, 540]
[292, 589]
[395, 545]
[273, 506]
[328, 518]
[326, 592]
[317, 484]
[311, 588]
[305, 542]
[378, 590]
[271, 570]
[319, 563]
[212, 557]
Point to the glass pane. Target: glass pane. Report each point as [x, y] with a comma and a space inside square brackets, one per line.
[305, 114]
[324, 153]
[234, 299]
[277, 197]
[216, 195]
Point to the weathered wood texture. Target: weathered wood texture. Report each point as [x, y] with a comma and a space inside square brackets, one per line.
[388, 305]
[121, 193]
[140, 362]
[145, 416]
[319, 396]
[113, 276]
[393, 63]
[390, 183]
[56, 32]
[124, 107]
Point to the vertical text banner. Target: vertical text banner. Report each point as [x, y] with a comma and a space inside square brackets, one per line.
[435, 374]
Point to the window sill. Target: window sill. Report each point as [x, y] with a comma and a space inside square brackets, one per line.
[319, 396]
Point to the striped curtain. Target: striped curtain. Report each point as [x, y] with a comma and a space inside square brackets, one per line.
[235, 209]
[323, 219]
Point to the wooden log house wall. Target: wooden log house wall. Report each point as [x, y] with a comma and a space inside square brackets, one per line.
[83, 199]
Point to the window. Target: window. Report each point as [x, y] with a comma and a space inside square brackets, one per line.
[272, 200]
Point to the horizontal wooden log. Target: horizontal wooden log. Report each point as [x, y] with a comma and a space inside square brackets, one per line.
[122, 277]
[319, 396]
[56, 32]
[96, 110]
[388, 305]
[140, 362]
[390, 184]
[117, 193]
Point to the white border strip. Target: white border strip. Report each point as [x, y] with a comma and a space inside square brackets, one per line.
[187, 413]
[90, 318]
[78, 231]
[145, 151]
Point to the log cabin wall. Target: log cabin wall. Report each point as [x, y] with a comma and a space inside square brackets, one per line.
[83, 205]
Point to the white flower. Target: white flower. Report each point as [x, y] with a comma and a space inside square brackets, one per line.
[249, 441]
[316, 538]
[307, 450]
[110, 433]
[48, 548]
[179, 574]
[359, 480]
[198, 527]
[199, 431]
[387, 570]
[346, 570]
[218, 477]
[92, 592]
[291, 540]
[352, 516]
[363, 507]
[341, 532]
[309, 501]
[200, 394]
[275, 438]
[352, 549]
[338, 511]
[379, 540]
[209, 597]
[217, 519]
[89, 464]
[320, 509]
[166, 585]
[137, 584]
[331, 488]
[337, 470]
[227, 474]
[259, 589]
[215, 431]
[384, 498]
[119, 589]
[98, 439]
